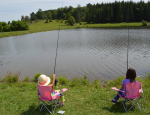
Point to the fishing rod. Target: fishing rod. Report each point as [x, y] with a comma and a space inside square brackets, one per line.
[57, 50]
[128, 36]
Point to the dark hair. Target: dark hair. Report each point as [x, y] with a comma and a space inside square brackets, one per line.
[131, 74]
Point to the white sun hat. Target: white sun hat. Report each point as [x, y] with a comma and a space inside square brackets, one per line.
[43, 80]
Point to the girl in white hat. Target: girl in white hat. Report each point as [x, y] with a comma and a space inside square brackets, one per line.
[44, 80]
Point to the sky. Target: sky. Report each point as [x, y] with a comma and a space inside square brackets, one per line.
[14, 9]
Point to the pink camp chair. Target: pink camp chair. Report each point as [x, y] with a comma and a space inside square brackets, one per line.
[133, 95]
[45, 97]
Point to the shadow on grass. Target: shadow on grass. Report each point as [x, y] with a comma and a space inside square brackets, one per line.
[117, 108]
[34, 110]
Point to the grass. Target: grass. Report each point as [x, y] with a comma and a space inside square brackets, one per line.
[41, 26]
[82, 97]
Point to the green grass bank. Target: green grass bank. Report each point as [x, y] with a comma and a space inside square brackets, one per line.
[41, 26]
[82, 97]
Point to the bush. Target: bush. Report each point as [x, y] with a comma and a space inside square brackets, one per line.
[19, 25]
[71, 21]
[12, 77]
[74, 82]
[84, 81]
[1, 27]
[46, 20]
[144, 23]
[26, 79]
[6, 28]
[63, 80]
[36, 76]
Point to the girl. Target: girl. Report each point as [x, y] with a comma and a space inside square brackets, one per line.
[45, 81]
[130, 78]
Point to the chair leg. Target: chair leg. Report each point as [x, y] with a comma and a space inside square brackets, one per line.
[134, 104]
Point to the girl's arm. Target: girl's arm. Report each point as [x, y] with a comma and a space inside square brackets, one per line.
[122, 87]
[53, 81]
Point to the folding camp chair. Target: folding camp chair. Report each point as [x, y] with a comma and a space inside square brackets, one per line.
[133, 95]
[45, 97]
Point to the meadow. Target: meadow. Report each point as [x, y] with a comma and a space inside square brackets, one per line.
[41, 26]
[81, 98]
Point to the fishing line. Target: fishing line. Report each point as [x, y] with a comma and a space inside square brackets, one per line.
[57, 43]
[56, 49]
[128, 36]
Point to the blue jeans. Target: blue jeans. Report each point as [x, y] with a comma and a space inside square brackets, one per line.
[117, 96]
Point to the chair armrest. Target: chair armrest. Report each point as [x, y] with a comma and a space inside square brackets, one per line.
[141, 90]
[63, 90]
[114, 88]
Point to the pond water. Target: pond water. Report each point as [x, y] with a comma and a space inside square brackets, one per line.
[97, 53]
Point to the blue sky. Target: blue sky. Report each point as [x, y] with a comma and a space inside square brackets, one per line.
[14, 9]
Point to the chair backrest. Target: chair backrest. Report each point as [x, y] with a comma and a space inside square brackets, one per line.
[44, 92]
[132, 90]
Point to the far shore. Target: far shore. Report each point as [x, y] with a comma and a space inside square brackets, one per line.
[41, 26]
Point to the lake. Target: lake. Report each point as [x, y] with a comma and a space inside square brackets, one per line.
[97, 53]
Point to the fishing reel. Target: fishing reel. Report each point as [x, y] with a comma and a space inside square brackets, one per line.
[56, 82]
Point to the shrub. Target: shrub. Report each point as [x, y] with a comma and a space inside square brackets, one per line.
[6, 28]
[74, 82]
[46, 20]
[63, 80]
[144, 23]
[12, 77]
[36, 76]
[71, 21]
[26, 79]
[1, 27]
[19, 25]
[84, 81]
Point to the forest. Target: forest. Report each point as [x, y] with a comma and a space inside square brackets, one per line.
[115, 12]
[98, 13]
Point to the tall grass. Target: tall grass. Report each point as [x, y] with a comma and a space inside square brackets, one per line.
[12, 77]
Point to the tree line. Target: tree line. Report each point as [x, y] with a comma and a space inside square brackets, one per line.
[97, 13]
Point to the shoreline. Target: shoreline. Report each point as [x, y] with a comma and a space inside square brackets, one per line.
[41, 26]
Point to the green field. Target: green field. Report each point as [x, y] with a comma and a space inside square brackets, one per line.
[82, 98]
[41, 26]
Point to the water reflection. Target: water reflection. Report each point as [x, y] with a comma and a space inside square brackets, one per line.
[96, 53]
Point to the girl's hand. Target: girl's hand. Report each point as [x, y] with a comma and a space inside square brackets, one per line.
[53, 76]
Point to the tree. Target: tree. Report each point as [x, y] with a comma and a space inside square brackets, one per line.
[49, 16]
[1, 27]
[40, 14]
[71, 21]
[131, 14]
[70, 8]
[54, 14]
[68, 15]
[27, 19]
[22, 18]
[33, 16]
[8, 22]
[64, 16]
[119, 16]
